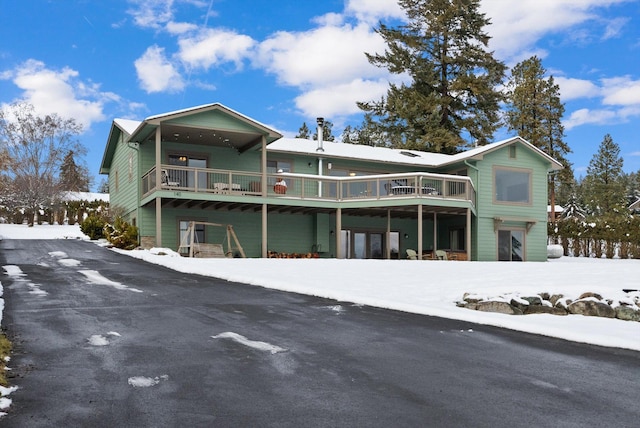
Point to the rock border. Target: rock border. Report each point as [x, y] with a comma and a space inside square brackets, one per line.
[587, 304]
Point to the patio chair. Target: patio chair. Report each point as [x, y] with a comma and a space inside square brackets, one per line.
[441, 255]
[412, 255]
[166, 180]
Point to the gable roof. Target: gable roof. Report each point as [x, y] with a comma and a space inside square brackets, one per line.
[243, 130]
[397, 156]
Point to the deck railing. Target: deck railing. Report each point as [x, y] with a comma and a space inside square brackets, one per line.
[304, 186]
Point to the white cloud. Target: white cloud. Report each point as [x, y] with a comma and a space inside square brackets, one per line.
[151, 13]
[156, 73]
[214, 46]
[521, 24]
[372, 11]
[61, 92]
[592, 117]
[180, 27]
[322, 56]
[571, 89]
[340, 100]
[621, 91]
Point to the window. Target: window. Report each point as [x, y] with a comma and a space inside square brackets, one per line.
[512, 151]
[511, 245]
[188, 178]
[512, 185]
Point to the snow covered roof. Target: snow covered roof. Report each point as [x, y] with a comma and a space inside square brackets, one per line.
[396, 156]
[85, 196]
[127, 125]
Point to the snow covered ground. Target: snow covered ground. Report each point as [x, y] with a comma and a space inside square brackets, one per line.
[423, 287]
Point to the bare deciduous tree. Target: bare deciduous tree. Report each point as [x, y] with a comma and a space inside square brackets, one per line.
[35, 147]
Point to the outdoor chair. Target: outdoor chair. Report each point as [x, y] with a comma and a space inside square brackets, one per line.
[412, 255]
[441, 255]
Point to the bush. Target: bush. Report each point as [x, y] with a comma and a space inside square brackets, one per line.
[93, 227]
[121, 234]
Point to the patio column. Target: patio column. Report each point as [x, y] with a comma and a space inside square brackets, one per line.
[158, 171]
[468, 238]
[339, 233]
[435, 233]
[264, 230]
[388, 236]
[419, 231]
[263, 168]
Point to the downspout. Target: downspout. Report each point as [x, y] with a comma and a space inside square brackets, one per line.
[320, 149]
[136, 146]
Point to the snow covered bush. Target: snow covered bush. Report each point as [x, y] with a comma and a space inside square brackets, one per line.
[93, 227]
[121, 234]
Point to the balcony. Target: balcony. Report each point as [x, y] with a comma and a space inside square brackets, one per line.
[203, 181]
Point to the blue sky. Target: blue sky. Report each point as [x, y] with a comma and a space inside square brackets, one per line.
[286, 62]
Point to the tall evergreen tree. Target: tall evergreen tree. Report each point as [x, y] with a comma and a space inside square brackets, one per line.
[73, 177]
[452, 100]
[604, 190]
[327, 132]
[534, 111]
[303, 132]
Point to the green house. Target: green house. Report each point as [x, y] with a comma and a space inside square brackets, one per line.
[210, 177]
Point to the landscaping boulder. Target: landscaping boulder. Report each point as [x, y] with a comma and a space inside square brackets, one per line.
[499, 307]
[543, 309]
[627, 314]
[591, 308]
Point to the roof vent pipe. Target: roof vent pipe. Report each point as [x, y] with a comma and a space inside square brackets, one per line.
[320, 121]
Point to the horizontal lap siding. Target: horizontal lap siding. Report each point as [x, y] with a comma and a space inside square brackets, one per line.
[535, 239]
[125, 197]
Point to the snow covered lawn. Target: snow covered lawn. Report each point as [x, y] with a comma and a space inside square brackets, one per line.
[423, 287]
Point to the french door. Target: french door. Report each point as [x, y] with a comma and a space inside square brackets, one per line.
[511, 245]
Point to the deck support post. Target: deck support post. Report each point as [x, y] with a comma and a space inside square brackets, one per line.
[339, 254]
[158, 171]
[419, 231]
[264, 230]
[468, 243]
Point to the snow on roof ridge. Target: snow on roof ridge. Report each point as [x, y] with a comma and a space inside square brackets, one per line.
[127, 125]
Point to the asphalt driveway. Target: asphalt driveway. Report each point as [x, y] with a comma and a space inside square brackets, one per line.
[105, 340]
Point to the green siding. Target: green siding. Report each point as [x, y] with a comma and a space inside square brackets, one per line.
[124, 194]
[487, 209]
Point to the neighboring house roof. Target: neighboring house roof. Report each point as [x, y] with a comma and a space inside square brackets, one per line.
[85, 196]
[396, 156]
[635, 206]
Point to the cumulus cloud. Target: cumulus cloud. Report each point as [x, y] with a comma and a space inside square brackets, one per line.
[320, 56]
[60, 92]
[156, 73]
[621, 91]
[519, 26]
[372, 11]
[214, 46]
[340, 100]
[571, 88]
[587, 116]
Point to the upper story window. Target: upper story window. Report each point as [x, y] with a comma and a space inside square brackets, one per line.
[512, 185]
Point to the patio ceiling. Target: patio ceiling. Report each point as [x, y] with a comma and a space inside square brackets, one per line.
[239, 141]
[402, 212]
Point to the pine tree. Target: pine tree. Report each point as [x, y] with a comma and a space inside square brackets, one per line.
[534, 111]
[73, 178]
[604, 190]
[303, 132]
[452, 100]
[327, 133]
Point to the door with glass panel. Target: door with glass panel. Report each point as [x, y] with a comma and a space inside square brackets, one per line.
[363, 244]
[511, 245]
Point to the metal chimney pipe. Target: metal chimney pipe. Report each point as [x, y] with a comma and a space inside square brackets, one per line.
[320, 121]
